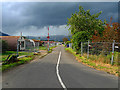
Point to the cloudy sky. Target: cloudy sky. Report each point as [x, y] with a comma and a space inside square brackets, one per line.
[33, 18]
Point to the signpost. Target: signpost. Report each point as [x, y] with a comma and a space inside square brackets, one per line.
[17, 48]
[48, 38]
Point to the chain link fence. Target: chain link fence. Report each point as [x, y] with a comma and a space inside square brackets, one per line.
[106, 52]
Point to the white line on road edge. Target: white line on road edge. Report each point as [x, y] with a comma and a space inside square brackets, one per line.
[57, 71]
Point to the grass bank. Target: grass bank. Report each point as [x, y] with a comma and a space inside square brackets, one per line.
[19, 62]
[51, 49]
[42, 48]
[5, 55]
[96, 62]
[29, 56]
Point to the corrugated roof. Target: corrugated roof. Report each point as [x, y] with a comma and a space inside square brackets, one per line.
[36, 40]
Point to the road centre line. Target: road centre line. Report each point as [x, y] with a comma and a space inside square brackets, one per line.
[57, 71]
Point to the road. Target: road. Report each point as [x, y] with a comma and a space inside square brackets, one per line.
[58, 69]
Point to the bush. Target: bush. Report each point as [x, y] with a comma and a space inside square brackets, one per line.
[67, 43]
[78, 38]
[4, 45]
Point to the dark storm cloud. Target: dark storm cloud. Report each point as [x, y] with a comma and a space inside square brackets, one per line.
[17, 16]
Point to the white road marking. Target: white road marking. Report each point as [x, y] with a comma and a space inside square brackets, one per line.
[58, 75]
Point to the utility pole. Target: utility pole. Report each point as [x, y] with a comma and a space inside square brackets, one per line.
[17, 48]
[48, 38]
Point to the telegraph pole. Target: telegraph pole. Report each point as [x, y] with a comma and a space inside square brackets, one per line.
[48, 38]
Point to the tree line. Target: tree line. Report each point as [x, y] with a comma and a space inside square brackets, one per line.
[84, 27]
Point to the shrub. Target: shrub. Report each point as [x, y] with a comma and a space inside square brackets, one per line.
[4, 45]
[68, 42]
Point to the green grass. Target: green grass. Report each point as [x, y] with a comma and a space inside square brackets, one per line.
[42, 48]
[20, 61]
[51, 49]
[5, 55]
[71, 51]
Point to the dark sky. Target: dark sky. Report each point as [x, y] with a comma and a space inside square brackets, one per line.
[33, 18]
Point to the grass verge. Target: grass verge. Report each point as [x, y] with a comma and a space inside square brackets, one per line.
[51, 49]
[42, 48]
[111, 69]
[5, 55]
[21, 60]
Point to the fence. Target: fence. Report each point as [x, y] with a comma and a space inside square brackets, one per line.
[104, 51]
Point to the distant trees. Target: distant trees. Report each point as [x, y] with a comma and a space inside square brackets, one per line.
[83, 26]
[65, 39]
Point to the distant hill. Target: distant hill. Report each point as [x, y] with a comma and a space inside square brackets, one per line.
[54, 37]
[3, 34]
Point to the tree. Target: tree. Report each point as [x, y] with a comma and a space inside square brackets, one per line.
[84, 21]
[83, 26]
[65, 39]
[78, 38]
[109, 34]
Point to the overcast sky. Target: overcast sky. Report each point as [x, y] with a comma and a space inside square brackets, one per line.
[33, 18]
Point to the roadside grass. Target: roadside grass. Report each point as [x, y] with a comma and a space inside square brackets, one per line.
[5, 55]
[98, 62]
[30, 56]
[51, 49]
[63, 45]
[19, 62]
[42, 48]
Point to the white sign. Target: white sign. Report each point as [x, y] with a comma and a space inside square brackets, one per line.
[116, 47]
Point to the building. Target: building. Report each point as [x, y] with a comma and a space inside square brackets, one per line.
[37, 42]
[18, 41]
[51, 43]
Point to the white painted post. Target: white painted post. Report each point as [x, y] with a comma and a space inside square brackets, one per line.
[38, 46]
[81, 49]
[113, 44]
[88, 50]
[17, 47]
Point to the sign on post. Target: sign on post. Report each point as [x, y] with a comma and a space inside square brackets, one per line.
[48, 38]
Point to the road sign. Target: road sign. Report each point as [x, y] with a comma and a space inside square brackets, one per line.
[48, 36]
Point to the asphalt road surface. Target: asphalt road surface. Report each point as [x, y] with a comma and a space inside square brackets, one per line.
[58, 69]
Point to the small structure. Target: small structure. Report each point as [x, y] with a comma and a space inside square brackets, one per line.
[37, 42]
[21, 41]
[11, 41]
[51, 43]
